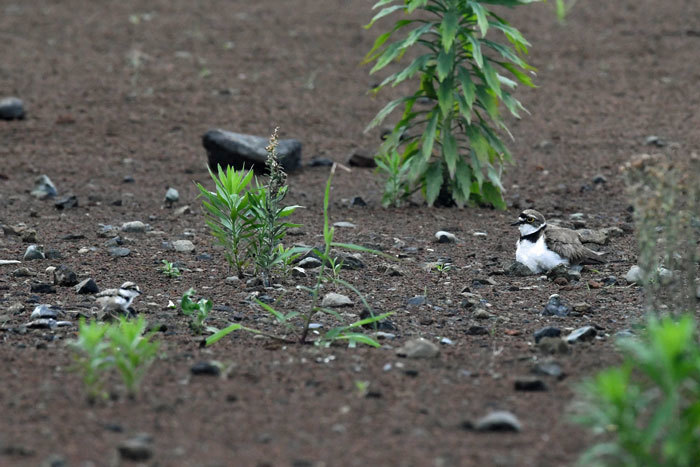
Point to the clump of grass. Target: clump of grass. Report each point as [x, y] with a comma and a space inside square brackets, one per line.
[666, 199]
[170, 270]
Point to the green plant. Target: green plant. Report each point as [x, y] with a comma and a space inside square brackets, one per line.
[132, 351]
[458, 153]
[92, 356]
[649, 407]
[267, 212]
[227, 213]
[289, 321]
[101, 347]
[563, 7]
[198, 312]
[169, 269]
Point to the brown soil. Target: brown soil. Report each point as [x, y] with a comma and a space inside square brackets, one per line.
[108, 96]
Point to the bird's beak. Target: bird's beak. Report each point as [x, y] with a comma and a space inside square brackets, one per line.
[518, 222]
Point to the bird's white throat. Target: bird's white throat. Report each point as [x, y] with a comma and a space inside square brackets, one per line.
[527, 229]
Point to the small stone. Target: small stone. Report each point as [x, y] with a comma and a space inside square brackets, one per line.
[107, 231]
[33, 252]
[585, 333]
[519, 270]
[417, 300]
[665, 276]
[23, 272]
[115, 241]
[476, 331]
[581, 307]
[233, 280]
[599, 179]
[480, 313]
[498, 421]
[344, 225]
[64, 276]
[171, 196]
[529, 383]
[655, 141]
[298, 271]
[635, 275]
[11, 108]
[446, 341]
[624, 334]
[310, 262]
[335, 300]
[42, 287]
[563, 271]
[128, 179]
[88, 286]
[555, 307]
[553, 345]
[183, 246]
[418, 348]
[358, 202]
[320, 162]
[52, 253]
[43, 311]
[595, 284]
[137, 449]
[119, 252]
[5, 262]
[67, 202]
[28, 236]
[548, 368]
[548, 331]
[610, 281]
[44, 188]
[134, 227]
[445, 237]
[206, 368]
[360, 158]
[182, 210]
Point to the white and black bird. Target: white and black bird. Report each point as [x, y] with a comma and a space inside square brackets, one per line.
[542, 247]
[117, 302]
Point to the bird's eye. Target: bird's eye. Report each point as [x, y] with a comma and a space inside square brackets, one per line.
[531, 220]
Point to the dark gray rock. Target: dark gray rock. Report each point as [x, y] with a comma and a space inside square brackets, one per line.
[43, 311]
[206, 368]
[418, 300]
[119, 252]
[358, 202]
[52, 253]
[42, 287]
[44, 188]
[47, 323]
[585, 333]
[64, 276]
[599, 179]
[171, 196]
[519, 270]
[555, 307]
[361, 158]
[445, 237]
[477, 331]
[529, 383]
[11, 108]
[549, 331]
[67, 202]
[320, 162]
[226, 148]
[88, 286]
[137, 449]
[134, 227]
[562, 270]
[548, 368]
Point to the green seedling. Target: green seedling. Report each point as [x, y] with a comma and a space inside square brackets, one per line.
[133, 352]
[449, 146]
[169, 269]
[92, 356]
[198, 312]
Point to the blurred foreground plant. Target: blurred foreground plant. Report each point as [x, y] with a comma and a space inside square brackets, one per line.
[457, 155]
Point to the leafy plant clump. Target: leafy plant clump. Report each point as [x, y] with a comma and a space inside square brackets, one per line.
[170, 270]
[198, 312]
[248, 221]
[298, 324]
[446, 142]
[122, 346]
[649, 407]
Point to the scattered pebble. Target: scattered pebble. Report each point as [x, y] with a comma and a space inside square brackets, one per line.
[137, 449]
[336, 300]
[119, 252]
[310, 262]
[42, 287]
[599, 237]
[445, 237]
[33, 252]
[548, 331]
[43, 311]
[548, 368]
[417, 300]
[134, 227]
[562, 271]
[418, 348]
[11, 108]
[206, 368]
[183, 246]
[88, 286]
[44, 188]
[67, 202]
[171, 196]
[344, 225]
[480, 313]
[500, 420]
[519, 270]
[64, 276]
[553, 345]
[599, 179]
[529, 383]
[555, 307]
[298, 271]
[585, 333]
[635, 275]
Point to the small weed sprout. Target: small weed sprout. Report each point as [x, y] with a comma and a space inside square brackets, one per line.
[198, 312]
[170, 270]
[101, 348]
[289, 322]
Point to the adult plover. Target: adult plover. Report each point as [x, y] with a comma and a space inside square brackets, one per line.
[542, 247]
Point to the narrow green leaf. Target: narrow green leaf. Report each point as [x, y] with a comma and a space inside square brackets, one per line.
[476, 50]
[445, 64]
[495, 178]
[491, 78]
[382, 114]
[361, 338]
[433, 182]
[489, 102]
[519, 75]
[429, 136]
[384, 12]
[478, 143]
[221, 334]
[463, 180]
[386, 57]
[481, 16]
[448, 29]
[408, 72]
[446, 97]
[449, 150]
[493, 195]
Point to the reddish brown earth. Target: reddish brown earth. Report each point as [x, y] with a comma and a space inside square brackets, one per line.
[615, 74]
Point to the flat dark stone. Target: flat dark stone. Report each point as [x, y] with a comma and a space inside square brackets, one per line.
[42, 287]
[11, 108]
[205, 368]
[226, 148]
[549, 331]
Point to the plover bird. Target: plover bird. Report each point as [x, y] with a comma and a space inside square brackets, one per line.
[542, 247]
[117, 302]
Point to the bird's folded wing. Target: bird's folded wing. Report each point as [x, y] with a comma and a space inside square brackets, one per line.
[566, 243]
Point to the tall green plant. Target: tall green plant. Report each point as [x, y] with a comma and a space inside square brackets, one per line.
[463, 75]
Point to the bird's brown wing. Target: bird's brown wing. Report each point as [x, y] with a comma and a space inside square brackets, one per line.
[567, 244]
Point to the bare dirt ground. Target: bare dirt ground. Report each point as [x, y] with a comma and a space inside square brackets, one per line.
[126, 89]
